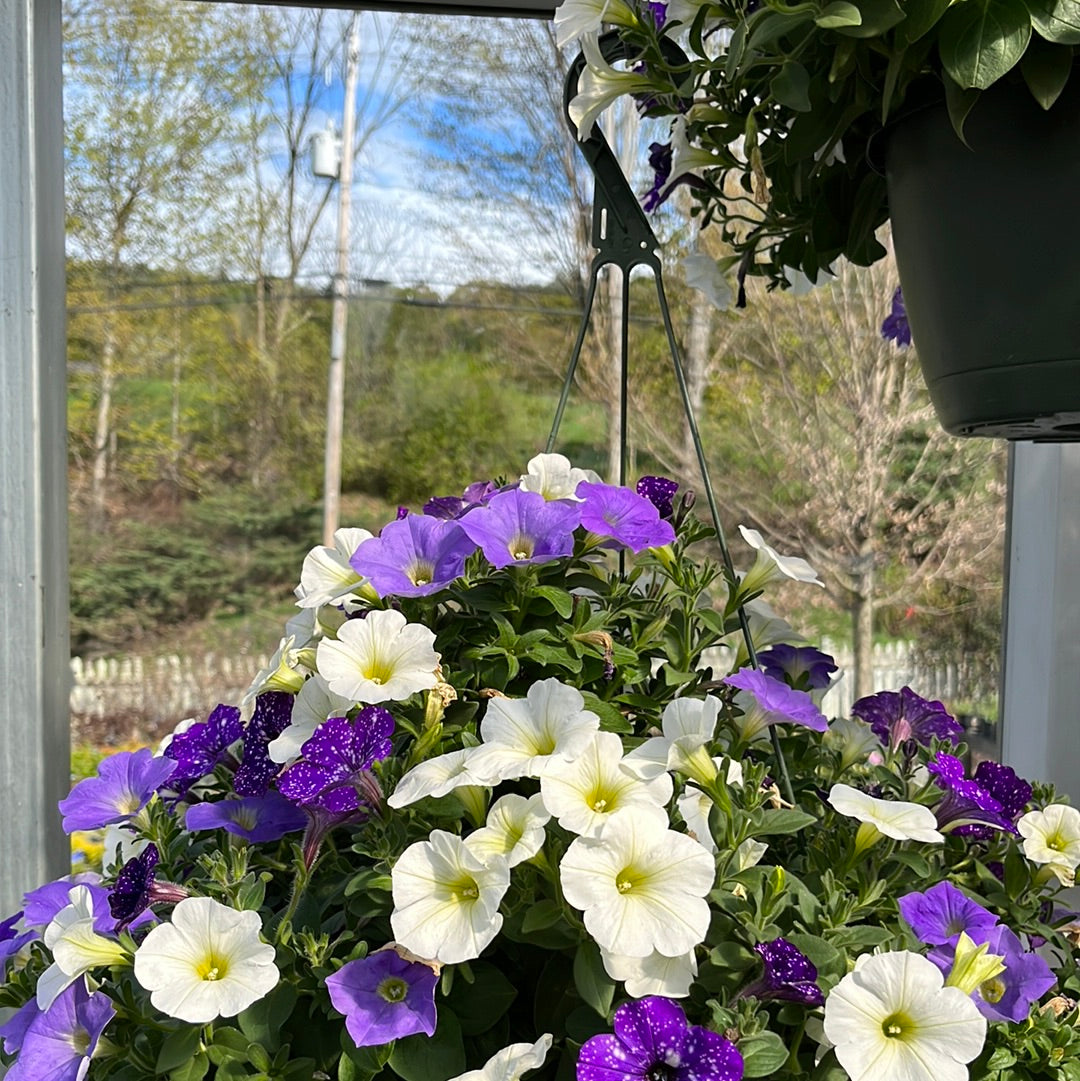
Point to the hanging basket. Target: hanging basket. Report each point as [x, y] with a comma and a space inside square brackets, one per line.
[987, 243]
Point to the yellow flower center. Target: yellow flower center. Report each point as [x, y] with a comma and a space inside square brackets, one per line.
[896, 1026]
[212, 968]
[420, 573]
[378, 670]
[80, 1041]
[392, 989]
[992, 991]
[128, 803]
[1056, 842]
[521, 547]
[627, 879]
[464, 889]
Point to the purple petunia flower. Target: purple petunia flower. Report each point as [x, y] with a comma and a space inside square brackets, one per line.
[198, 749]
[257, 818]
[454, 506]
[56, 1044]
[965, 802]
[1002, 783]
[1010, 995]
[660, 492]
[334, 772]
[519, 526]
[273, 712]
[413, 556]
[660, 158]
[789, 976]
[896, 328]
[896, 716]
[123, 786]
[938, 915]
[802, 667]
[773, 702]
[12, 940]
[627, 518]
[130, 896]
[384, 996]
[652, 1039]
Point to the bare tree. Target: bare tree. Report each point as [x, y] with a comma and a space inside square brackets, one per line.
[837, 453]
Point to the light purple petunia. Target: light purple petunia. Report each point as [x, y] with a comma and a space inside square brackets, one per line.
[1010, 995]
[124, 784]
[334, 771]
[965, 801]
[779, 703]
[895, 327]
[57, 1044]
[255, 818]
[660, 492]
[629, 519]
[803, 667]
[413, 556]
[12, 940]
[789, 975]
[273, 712]
[653, 1039]
[384, 996]
[896, 716]
[198, 749]
[938, 915]
[523, 527]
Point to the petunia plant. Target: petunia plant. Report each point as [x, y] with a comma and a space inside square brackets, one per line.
[516, 798]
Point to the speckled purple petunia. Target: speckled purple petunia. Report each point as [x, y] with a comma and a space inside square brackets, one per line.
[198, 750]
[653, 1039]
[896, 716]
[273, 712]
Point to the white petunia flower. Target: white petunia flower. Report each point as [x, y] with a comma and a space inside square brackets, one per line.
[283, 672]
[511, 1062]
[76, 947]
[314, 704]
[207, 962]
[770, 564]
[892, 1019]
[553, 477]
[894, 818]
[641, 887]
[514, 830]
[327, 576]
[380, 658]
[576, 17]
[702, 273]
[656, 974]
[438, 776]
[521, 735]
[446, 899]
[600, 85]
[583, 792]
[695, 806]
[689, 725]
[1052, 837]
[854, 739]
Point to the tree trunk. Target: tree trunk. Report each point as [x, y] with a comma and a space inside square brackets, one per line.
[100, 473]
[696, 366]
[862, 629]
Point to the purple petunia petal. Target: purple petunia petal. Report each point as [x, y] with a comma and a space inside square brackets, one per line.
[130, 895]
[518, 526]
[780, 703]
[896, 328]
[413, 556]
[965, 802]
[789, 975]
[273, 712]
[659, 491]
[199, 749]
[627, 518]
[896, 716]
[938, 915]
[257, 819]
[123, 786]
[803, 667]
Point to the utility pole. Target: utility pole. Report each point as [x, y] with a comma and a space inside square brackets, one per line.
[335, 397]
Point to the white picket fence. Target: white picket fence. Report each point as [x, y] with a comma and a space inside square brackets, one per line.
[155, 690]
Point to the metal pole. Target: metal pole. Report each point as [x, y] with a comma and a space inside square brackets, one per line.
[335, 396]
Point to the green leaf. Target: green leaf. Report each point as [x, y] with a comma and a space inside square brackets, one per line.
[839, 14]
[194, 1069]
[876, 16]
[559, 599]
[763, 1053]
[920, 18]
[178, 1048]
[543, 914]
[1057, 20]
[981, 40]
[593, 983]
[611, 717]
[959, 103]
[480, 1004]
[431, 1058]
[262, 1022]
[783, 820]
[791, 86]
[1046, 70]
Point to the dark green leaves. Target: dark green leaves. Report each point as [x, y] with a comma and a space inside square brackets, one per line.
[983, 39]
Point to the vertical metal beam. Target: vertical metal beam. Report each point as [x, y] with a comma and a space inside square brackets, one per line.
[1040, 700]
[34, 668]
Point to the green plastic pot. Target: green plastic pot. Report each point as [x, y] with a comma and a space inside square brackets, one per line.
[987, 240]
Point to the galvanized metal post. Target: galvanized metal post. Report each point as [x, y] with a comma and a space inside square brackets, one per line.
[34, 667]
[1040, 700]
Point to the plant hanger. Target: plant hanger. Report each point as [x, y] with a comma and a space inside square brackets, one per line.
[622, 237]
